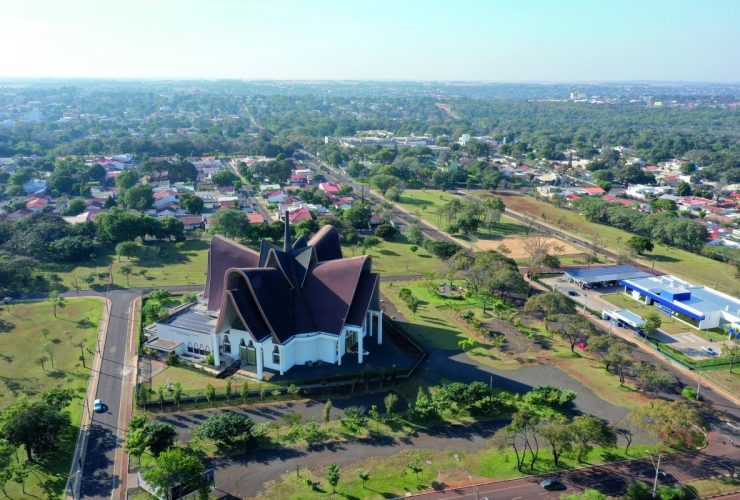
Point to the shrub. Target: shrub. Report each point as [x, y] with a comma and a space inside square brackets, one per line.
[370, 241]
[547, 395]
[689, 393]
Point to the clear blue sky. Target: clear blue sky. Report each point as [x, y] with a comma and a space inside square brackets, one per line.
[512, 40]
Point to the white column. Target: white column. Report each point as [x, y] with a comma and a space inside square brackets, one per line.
[216, 354]
[337, 354]
[380, 326]
[360, 347]
[260, 361]
[282, 360]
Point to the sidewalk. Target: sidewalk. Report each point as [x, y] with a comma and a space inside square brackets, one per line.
[78, 459]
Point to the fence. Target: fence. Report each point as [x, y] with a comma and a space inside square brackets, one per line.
[343, 384]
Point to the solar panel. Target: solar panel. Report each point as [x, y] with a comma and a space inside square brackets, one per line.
[605, 273]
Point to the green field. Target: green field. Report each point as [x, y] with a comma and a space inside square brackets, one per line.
[22, 375]
[395, 258]
[390, 477]
[425, 203]
[171, 267]
[687, 265]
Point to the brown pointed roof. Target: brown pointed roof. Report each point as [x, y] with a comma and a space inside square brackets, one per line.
[280, 293]
[223, 255]
[326, 243]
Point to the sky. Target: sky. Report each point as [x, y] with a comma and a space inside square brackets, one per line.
[488, 40]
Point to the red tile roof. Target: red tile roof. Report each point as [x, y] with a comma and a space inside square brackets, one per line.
[255, 219]
[300, 215]
[593, 190]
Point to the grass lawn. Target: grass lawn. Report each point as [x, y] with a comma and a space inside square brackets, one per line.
[22, 345]
[390, 476]
[436, 325]
[707, 488]
[171, 267]
[687, 265]
[723, 377]
[395, 258]
[669, 325]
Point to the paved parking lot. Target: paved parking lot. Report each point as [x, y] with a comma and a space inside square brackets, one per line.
[688, 342]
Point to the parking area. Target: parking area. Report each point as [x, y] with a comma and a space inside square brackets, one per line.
[679, 335]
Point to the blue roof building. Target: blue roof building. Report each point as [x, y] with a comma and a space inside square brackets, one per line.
[699, 306]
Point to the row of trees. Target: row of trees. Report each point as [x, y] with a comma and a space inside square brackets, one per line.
[665, 226]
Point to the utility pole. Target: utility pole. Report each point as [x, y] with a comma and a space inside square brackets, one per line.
[657, 469]
[698, 386]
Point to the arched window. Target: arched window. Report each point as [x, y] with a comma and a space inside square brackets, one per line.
[190, 347]
[200, 349]
[242, 343]
[208, 349]
[227, 344]
[276, 355]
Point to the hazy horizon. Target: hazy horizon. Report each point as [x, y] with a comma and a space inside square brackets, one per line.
[332, 40]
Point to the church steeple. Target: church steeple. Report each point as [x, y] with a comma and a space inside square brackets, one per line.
[286, 237]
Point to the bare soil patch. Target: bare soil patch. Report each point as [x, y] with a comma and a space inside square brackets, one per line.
[517, 248]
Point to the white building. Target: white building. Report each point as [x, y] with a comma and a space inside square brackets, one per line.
[297, 305]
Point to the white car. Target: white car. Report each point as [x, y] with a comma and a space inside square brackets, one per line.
[98, 406]
[711, 351]
[7, 300]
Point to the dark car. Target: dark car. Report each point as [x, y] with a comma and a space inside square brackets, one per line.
[572, 293]
[552, 484]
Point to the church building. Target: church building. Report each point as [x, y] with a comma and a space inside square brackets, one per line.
[277, 308]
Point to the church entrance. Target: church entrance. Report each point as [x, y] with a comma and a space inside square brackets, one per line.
[247, 353]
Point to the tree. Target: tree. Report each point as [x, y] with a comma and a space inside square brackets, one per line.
[640, 244]
[126, 270]
[227, 429]
[573, 328]
[358, 215]
[332, 476]
[42, 360]
[589, 431]
[548, 395]
[423, 406]
[210, 393]
[549, 304]
[588, 494]
[231, 223]
[57, 302]
[651, 324]
[160, 437]
[139, 197]
[731, 350]
[415, 467]
[126, 180]
[326, 411]
[127, 249]
[414, 234]
[177, 394]
[673, 422]
[174, 467]
[58, 397]
[653, 378]
[136, 442]
[225, 179]
[364, 476]
[244, 391]
[191, 203]
[35, 425]
[558, 434]
[386, 231]
[75, 206]
[684, 189]
[390, 402]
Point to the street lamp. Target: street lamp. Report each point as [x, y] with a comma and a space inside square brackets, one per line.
[657, 471]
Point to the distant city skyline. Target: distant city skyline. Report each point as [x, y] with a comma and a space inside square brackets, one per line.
[470, 40]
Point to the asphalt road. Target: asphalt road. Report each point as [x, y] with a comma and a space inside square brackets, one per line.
[100, 478]
[100, 472]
